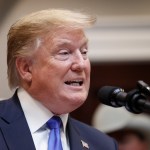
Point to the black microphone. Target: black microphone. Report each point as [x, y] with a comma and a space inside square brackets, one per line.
[134, 101]
[112, 96]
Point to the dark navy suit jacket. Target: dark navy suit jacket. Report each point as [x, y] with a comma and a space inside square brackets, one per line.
[15, 133]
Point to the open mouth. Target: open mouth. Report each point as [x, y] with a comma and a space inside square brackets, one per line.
[74, 83]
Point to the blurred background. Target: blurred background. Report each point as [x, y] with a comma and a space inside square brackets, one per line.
[119, 43]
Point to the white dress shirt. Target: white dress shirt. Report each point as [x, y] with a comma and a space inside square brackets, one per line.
[37, 115]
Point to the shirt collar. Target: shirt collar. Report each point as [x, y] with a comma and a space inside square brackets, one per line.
[36, 114]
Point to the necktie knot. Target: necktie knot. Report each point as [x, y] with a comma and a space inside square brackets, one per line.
[54, 123]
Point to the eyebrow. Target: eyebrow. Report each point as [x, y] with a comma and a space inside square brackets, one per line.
[66, 41]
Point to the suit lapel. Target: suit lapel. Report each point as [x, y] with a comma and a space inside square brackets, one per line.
[14, 126]
[75, 139]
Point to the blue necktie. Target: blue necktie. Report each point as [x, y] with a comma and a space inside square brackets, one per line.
[54, 142]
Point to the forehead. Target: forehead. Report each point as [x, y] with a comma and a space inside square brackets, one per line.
[67, 36]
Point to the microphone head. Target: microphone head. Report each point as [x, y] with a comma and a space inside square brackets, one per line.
[107, 95]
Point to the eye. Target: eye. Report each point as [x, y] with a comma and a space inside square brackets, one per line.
[84, 53]
[62, 55]
[63, 52]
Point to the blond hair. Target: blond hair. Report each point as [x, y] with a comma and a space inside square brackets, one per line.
[23, 35]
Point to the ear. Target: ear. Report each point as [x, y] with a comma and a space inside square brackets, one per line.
[24, 66]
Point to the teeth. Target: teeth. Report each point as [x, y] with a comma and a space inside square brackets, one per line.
[74, 83]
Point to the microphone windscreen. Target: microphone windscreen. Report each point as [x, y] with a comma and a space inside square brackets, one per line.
[105, 94]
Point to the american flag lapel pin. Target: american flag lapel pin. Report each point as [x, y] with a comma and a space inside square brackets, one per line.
[84, 144]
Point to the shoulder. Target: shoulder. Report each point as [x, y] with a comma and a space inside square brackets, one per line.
[8, 103]
[10, 109]
[84, 127]
[4, 103]
[94, 136]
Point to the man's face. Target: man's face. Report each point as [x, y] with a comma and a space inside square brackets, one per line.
[61, 71]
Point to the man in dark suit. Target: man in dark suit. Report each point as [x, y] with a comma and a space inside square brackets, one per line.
[49, 67]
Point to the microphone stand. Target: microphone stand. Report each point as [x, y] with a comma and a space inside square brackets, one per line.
[136, 100]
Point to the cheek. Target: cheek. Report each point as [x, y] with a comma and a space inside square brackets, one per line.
[57, 71]
[42, 73]
[88, 69]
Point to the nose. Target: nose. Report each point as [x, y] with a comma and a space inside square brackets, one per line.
[78, 62]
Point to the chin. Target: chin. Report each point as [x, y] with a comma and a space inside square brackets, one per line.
[78, 101]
